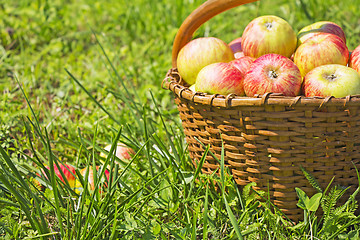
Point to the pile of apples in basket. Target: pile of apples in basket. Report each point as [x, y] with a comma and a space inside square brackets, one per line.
[271, 57]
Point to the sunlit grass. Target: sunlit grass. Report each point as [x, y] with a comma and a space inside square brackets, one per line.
[78, 75]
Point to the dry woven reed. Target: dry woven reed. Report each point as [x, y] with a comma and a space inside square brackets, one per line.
[267, 138]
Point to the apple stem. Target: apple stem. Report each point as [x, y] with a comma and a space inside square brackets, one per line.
[331, 77]
[273, 74]
[268, 25]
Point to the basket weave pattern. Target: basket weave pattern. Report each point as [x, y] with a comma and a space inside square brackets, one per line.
[267, 138]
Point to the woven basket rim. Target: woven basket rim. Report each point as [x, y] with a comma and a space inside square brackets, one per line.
[174, 83]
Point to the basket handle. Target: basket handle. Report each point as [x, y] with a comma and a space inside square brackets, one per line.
[200, 15]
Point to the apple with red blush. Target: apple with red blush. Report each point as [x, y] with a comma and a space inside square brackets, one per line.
[272, 73]
[68, 171]
[354, 61]
[220, 78]
[268, 34]
[320, 49]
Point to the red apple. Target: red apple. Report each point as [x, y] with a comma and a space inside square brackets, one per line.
[331, 80]
[242, 63]
[320, 49]
[268, 34]
[318, 27]
[355, 59]
[235, 46]
[199, 53]
[220, 78]
[91, 176]
[68, 171]
[272, 73]
[122, 151]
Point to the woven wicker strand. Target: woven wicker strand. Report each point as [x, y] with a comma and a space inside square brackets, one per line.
[268, 138]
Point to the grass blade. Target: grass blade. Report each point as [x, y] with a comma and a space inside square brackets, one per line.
[233, 220]
[205, 214]
[92, 98]
[169, 137]
[228, 209]
[197, 171]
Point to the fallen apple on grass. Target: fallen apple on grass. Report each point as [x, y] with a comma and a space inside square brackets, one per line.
[272, 73]
[331, 80]
[320, 49]
[354, 61]
[122, 152]
[37, 183]
[220, 78]
[65, 169]
[268, 34]
[320, 27]
[91, 179]
[199, 53]
[68, 171]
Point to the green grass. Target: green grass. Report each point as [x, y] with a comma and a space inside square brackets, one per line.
[78, 75]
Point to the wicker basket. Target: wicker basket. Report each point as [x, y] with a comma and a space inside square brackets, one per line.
[267, 138]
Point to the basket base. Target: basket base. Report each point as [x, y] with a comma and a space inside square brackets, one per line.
[273, 163]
